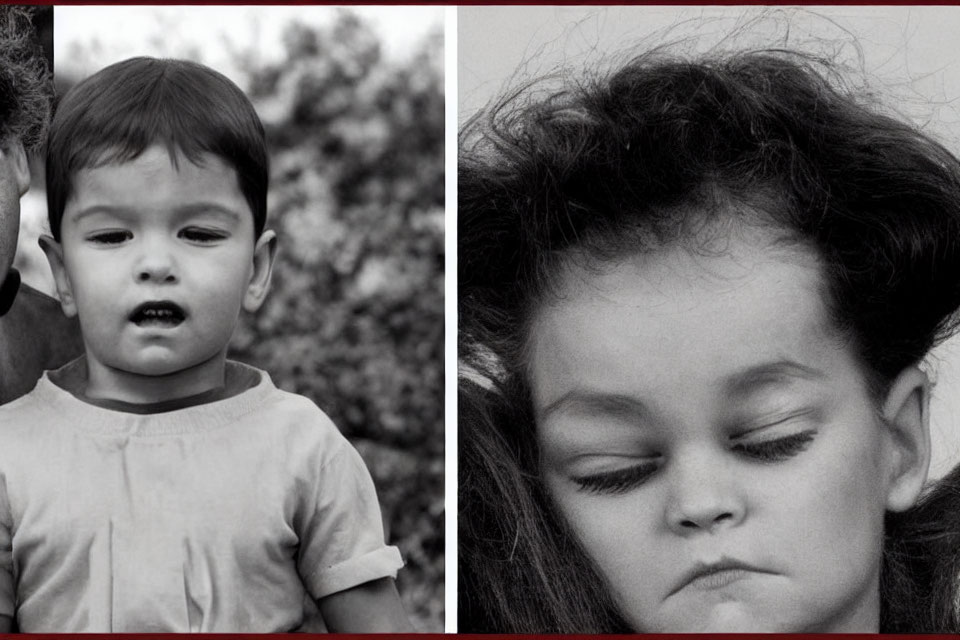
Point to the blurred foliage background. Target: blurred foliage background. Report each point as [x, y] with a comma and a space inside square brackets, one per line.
[354, 319]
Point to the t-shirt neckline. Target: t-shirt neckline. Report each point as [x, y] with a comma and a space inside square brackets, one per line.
[248, 390]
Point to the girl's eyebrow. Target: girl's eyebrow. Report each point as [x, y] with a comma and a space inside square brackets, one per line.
[586, 402]
[781, 372]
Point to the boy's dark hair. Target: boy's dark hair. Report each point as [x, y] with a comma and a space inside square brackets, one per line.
[120, 111]
[26, 89]
[622, 163]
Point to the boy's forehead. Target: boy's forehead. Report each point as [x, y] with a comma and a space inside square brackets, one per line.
[119, 155]
[157, 179]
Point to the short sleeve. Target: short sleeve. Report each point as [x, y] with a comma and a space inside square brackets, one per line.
[341, 537]
[7, 596]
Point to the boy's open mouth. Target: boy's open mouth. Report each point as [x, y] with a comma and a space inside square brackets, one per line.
[160, 313]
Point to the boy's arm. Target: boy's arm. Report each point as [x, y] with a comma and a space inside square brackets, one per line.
[372, 607]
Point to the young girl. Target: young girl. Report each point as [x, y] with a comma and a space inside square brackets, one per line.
[693, 297]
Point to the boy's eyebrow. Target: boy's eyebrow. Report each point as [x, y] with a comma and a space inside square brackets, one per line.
[98, 208]
[207, 207]
[193, 208]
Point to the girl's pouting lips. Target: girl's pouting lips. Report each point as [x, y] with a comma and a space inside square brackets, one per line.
[716, 575]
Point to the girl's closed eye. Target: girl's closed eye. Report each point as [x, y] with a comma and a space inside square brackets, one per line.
[619, 480]
[776, 449]
[777, 440]
[757, 444]
[110, 236]
[202, 235]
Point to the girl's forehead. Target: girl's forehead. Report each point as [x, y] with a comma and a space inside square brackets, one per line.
[657, 321]
[717, 258]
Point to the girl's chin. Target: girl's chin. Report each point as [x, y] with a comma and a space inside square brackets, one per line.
[725, 617]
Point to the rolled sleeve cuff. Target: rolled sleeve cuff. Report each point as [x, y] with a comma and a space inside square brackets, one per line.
[380, 563]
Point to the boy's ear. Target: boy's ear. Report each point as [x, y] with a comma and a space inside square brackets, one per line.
[54, 252]
[17, 156]
[906, 417]
[264, 253]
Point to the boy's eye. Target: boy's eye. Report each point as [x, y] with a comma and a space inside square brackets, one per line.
[110, 237]
[202, 235]
[777, 449]
[617, 481]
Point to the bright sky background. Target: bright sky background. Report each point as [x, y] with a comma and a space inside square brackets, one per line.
[124, 31]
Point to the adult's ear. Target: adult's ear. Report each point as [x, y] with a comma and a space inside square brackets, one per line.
[54, 252]
[906, 417]
[264, 253]
[17, 157]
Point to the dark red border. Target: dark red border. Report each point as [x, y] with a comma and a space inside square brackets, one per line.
[453, 3]
[473, 636]
[469, 636]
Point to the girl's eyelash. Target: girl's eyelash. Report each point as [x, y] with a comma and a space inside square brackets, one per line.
[776, 450]
[619, 481]
[623, 480]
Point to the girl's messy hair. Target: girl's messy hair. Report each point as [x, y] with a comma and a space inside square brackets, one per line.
[644, 156]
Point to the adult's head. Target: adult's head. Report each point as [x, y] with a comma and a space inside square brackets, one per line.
[26, 94]
[675, 186]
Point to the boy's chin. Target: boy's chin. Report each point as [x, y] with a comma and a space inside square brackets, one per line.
[165, 365]
[155, 369]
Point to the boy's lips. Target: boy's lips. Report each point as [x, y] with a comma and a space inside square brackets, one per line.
[158, 313]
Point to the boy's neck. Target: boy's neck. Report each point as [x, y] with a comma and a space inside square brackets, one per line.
[107, 383]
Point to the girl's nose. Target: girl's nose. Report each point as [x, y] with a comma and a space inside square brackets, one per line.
[705, 495]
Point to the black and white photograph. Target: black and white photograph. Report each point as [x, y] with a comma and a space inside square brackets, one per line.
[221, 333]
[708, 272]
[479, 319]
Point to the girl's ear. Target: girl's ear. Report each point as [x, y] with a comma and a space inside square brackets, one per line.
[264, 253]
[906, 417]
[54, 252]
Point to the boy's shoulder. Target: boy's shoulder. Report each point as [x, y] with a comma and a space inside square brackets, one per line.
[290, 427]
[290, 411]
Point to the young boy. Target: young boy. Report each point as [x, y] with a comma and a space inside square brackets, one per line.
[153, 485]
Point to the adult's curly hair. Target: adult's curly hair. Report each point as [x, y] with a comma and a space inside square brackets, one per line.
[26, 86]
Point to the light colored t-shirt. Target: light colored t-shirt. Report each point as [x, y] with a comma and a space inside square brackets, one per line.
[217, 517]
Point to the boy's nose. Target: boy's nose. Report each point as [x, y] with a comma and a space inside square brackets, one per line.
[156, 266]
[156, 275]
